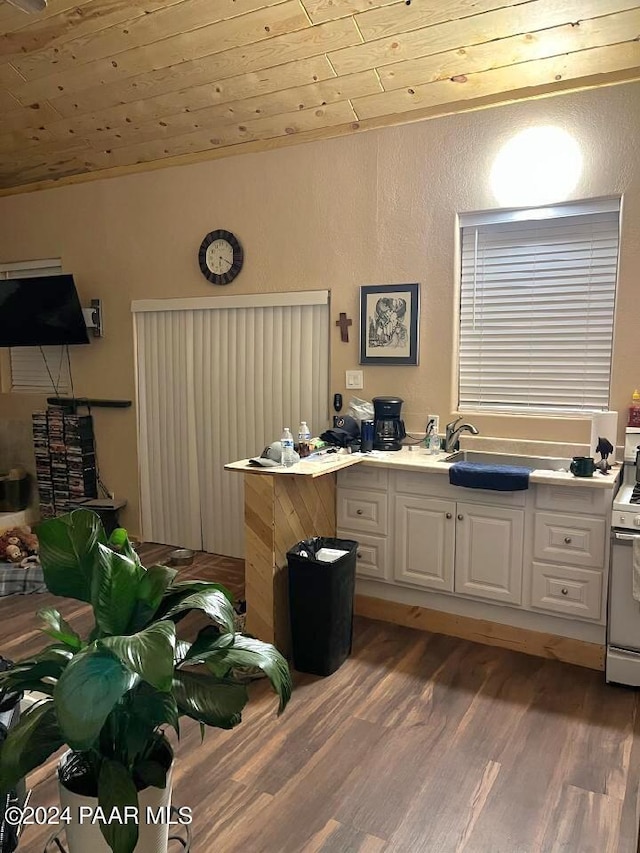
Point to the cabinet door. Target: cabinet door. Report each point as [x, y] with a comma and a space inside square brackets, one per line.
[489, 549]
[424, 541]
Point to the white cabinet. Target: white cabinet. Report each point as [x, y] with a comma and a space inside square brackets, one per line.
[567, 590]
[489, 552]
[362, 515]
[579, 540]
[424, 530]
[520, 549]
[570, 564]
[362, 511]
[467, 548]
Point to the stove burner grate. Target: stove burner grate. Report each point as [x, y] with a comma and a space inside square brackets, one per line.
[635, 495]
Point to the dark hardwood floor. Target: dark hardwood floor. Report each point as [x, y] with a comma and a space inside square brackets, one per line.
[419, 742]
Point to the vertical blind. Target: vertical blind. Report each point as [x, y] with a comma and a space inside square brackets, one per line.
[37, 369]
[537, 303]
[216, 384]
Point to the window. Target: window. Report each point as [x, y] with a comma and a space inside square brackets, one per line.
[37, 369]
[536, 308]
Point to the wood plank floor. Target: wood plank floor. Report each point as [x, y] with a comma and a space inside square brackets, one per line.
[419, 742]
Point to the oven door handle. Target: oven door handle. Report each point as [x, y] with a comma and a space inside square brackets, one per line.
[625, 537]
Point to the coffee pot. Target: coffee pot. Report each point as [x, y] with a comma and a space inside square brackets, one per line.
[389, 427]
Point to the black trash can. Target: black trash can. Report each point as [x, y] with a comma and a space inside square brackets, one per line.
[321, 603]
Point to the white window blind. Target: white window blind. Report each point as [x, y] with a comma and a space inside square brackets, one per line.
[536, 308]
[37, 369]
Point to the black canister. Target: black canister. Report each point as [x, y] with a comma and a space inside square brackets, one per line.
[367, 432]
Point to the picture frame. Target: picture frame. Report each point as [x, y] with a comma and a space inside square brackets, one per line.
[389, 320]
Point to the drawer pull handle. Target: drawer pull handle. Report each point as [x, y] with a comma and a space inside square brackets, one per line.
[449, 515]
[460, 516]
[359, 555]
[567, 540]
[358, 512]
[564, 591]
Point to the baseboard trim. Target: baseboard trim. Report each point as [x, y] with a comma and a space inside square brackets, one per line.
[537, 643]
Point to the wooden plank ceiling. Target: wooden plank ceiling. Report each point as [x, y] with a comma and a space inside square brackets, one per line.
[99, 87]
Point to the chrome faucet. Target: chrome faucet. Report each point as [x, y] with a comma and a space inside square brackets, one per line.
[452, 433]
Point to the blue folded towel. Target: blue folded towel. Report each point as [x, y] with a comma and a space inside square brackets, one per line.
[499, 478]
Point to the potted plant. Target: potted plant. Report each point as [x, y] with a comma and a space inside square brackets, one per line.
[110, 696]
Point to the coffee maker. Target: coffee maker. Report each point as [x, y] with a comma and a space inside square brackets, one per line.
[389, 428]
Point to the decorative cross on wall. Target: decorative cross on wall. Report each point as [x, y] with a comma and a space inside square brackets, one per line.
[344, 324]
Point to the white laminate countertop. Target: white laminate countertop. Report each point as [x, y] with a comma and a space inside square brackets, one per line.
[414, 460]
[419, 460]
[313, 466]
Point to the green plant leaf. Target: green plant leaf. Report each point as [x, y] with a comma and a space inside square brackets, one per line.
[208, 700]
[119, 541]
[59, 629]
[155, 708]
[67, 552]
[151, 774]
[151, 590]
[35, 737]
[208, 638]
[93, 682]
[150, 653]
[211, 601]
[114, 590]
[154, 584]
[201, 586]
[116, 789]
[247, 653]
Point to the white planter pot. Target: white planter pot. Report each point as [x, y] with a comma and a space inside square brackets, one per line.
[84, 836]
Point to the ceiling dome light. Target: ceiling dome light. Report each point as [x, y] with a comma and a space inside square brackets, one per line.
[539, 165]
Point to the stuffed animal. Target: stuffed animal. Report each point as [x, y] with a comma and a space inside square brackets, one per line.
[18, 543]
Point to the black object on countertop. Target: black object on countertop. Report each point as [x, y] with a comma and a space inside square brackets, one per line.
[337, 402]
[321, 604]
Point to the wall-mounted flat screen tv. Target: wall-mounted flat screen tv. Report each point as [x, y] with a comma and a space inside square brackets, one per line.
[41, 311]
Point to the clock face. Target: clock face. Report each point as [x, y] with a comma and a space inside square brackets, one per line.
[220, 257]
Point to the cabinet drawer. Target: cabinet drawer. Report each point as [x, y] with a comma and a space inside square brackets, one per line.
[563, 589]
[569, 539]
[362, 511]
[363, 477]
[573, 499]
[372, 556]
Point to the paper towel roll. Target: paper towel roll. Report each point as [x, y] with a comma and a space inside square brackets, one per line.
[604, 425]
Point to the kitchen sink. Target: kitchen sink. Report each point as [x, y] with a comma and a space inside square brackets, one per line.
[534, 463]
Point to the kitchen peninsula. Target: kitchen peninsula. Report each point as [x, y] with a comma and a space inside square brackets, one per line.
[526, 570]
[281, 507]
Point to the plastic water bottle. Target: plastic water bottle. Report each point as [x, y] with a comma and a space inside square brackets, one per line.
[304, 437]
[287, 448]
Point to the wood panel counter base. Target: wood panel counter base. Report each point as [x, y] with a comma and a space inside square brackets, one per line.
[537, 643]
[279, 512]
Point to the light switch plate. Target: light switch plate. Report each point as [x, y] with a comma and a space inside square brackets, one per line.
[354, 379]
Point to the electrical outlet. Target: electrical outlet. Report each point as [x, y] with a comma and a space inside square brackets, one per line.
[354, 379]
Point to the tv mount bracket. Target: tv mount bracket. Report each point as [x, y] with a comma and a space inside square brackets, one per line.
[93, 318]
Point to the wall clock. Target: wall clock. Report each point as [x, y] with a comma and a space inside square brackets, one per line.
[220, 257]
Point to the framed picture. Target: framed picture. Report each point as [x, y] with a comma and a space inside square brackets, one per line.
[389, 316]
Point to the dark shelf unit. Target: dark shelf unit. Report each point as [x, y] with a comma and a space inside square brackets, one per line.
[65, 454]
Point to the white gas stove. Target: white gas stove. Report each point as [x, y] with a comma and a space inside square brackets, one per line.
[623, 623]
[626, 503]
